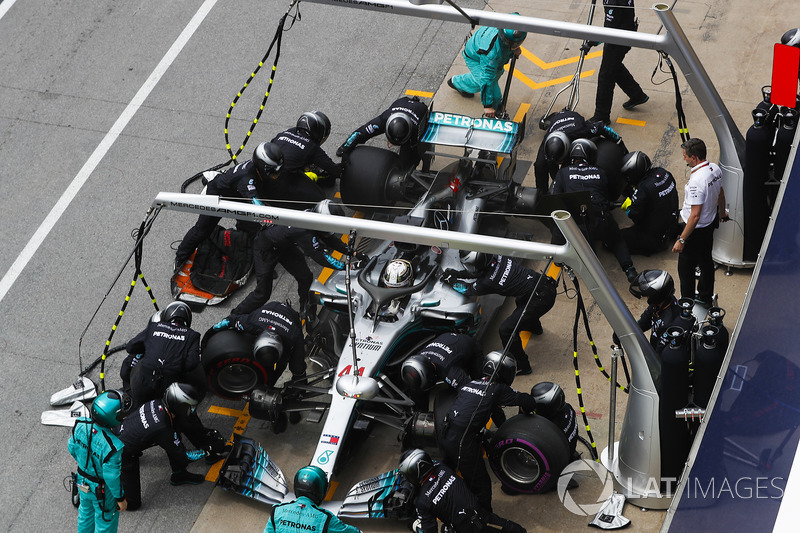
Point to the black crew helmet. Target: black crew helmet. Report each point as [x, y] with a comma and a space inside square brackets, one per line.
[317, 124]
[415, 465]
[556, 147]
[583, 149]
[399, 128]
[311, 482]
[177, 312]
[418, 372]
[506, 366]
[181, 399]
[655, 285]
[635, 165]
[268, 159]
[110, 407]
[268, 348]
[549, 398]
[791, 38]
[474, 262]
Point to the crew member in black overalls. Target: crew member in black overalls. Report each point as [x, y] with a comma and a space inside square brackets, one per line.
[581, 174]
[620, 15]
[283, 324]
[166, 351]
[460, 438]
[555, 148]
[455, 358]
[251, 180]
[653, 206]
[662, 311]
[403, 122]
[443, 495]
[497, 274]
[302, 153]
[156, 423]
[289, 246]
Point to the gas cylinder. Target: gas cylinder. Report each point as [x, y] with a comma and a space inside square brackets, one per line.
[674, 395]
[758, 145]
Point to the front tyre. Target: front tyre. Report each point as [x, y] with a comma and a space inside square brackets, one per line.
[528, 453]
[231, 369]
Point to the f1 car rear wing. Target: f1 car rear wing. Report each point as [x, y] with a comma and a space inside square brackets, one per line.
[493, 135]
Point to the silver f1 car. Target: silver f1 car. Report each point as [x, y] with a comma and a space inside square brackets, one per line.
[367, 327]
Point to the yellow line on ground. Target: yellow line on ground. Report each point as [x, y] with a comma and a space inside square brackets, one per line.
[534, 85]
[331, 490]
[524, 336]
[424, 94]
[631, 122]
[544, 65]
[521, 112]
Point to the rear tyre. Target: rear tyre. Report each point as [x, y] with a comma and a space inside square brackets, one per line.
[231, 369]
[528, 453]
[366, 175]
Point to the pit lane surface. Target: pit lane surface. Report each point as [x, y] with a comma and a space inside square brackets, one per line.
[70, 73]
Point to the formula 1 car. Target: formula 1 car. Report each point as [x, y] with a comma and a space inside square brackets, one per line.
[367, 327]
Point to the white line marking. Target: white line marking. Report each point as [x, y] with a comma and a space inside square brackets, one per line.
[69, 194]
[5, 6]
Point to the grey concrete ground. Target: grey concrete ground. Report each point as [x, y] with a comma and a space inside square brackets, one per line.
[70, 70]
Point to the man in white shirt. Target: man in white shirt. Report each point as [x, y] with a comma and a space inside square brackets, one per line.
[703, 202]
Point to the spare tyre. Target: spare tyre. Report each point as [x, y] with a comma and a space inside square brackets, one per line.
[231, 369]
[528, 453]
[366, 175]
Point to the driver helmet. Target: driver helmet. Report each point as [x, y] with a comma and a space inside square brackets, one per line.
[583, 149]
[418, 372]
[549, 398]
[506, 366]
[655, 285]
[317, 124]
[181, 399]
[311, 482]
[398, 273]
[177, 312]
[110, 407]
[415, 465]
[634, 166]
[268, 159]
[513, 38]
[398, 128]
[474, 262]
[556, 147]
[791, 38]
[268, 348]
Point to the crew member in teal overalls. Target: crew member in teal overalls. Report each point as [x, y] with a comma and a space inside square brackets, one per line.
[485, 53]
[304, 513]
[99, 455]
